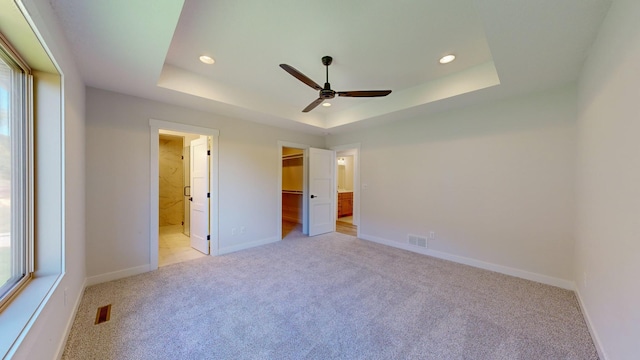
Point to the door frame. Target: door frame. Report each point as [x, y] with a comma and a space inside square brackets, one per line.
[355, 151]
[186, 179]
[154, 131]
[305, 185]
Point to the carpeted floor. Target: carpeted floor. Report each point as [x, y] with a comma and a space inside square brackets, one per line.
[328, 297]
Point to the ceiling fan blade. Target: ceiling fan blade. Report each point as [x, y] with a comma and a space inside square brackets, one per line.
[315, 103]
[300, 76]
[364, 93]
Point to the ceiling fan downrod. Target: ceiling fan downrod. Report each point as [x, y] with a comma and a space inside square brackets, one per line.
[326, 61]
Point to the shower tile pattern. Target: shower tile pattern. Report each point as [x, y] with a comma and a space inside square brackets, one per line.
[171, 201]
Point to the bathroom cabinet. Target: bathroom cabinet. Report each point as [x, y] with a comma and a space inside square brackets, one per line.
[345, 204]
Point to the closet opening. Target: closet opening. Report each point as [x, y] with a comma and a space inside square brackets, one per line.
[293, 169]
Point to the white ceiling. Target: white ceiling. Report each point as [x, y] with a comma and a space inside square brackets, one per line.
[150, 48]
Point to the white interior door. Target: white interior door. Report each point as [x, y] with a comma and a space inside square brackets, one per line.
[199, 209]
[322, 193]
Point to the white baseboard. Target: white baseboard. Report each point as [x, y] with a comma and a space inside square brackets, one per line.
[67, 330]
[594, 335]
[115, 275]
[93, 280]
[244, 246]
[549, 280]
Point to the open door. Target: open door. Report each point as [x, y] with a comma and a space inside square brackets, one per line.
[199, 211]
[322, 191]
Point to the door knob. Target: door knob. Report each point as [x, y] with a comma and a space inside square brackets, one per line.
[313, 196]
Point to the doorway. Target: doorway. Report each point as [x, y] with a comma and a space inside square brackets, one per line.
[176, 207]
[347, 180]
[184, 196]
[293, 187]
[318, 190]
[292, 180]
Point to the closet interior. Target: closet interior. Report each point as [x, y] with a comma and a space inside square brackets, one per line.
[292, 185]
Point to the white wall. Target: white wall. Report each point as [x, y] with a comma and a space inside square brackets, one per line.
[495, 182]
[46, 335]
[608, 193]
[118, 177]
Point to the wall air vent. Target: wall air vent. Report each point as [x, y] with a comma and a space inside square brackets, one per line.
[417, 240]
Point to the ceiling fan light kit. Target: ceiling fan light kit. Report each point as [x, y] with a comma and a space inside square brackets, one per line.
[207, 59]
[447, 59]
[326, 92]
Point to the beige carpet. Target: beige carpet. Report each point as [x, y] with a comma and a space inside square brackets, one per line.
[328, 297]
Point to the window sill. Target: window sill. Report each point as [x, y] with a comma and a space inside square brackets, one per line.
[19, 316]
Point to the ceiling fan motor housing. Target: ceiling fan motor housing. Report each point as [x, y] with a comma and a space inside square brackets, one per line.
[327, 93]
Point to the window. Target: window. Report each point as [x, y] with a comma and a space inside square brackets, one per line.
[16, 220]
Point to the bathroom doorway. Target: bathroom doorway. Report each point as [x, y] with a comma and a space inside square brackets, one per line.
[178, 240]
[348, 195]
[203, 226]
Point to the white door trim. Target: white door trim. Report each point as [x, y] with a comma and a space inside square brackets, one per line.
[305, 185]
[154, 128]
[356, 180]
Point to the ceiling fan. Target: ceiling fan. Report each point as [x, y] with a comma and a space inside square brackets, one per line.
[326, 92]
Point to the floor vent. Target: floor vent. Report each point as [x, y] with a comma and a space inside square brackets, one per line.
[418, 241]
[103, 314]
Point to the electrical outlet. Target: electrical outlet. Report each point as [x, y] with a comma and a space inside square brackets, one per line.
[233, 231]
[65, 296]
[432, 234]
[242, 229]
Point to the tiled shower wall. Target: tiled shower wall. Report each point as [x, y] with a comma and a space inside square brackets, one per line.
[171, 180]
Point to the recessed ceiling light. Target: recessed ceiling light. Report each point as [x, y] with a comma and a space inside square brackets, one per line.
[447, 59]
[326, 104]
[207, 59]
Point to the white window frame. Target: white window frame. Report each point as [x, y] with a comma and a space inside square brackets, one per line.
[22, 223]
